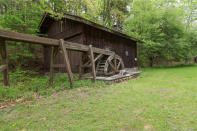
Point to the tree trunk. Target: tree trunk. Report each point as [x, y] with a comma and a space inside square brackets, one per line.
[151, 61]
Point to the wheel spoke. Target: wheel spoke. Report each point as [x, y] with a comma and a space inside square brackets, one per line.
[118, 65]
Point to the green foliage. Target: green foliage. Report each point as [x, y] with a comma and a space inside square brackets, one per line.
[167, 28]
[26, 83]
[161, 25]
[22, 16]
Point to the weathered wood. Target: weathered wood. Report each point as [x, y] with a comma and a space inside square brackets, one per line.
[80, 66]
[82, 20]
[108, 66]
[67, 63]
[112, 66]
[115, 61]
[87, 64]
[59, 65]
[2, 68]
[92, 62]
[85, 48]
[52, 65]
[65, 45]
[67, 34]
[14, 36]
[4, 55]
[98, 57]
[118, 65]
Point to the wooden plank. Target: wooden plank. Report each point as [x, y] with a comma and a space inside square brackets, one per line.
[14, 36]
[67, 63]
[67, 34]
[4, 55]
[2, 68]
[84, 48]
[59, 65]
[92, 62]
[51, 65]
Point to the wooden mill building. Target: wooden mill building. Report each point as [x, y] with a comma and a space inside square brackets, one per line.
[76, 29]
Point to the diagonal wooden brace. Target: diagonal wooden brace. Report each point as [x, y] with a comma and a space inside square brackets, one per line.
[67, 63]
[92, 63]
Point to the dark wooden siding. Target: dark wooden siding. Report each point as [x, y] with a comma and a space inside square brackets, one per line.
[105, 40]
[81, 33]
[68, 30]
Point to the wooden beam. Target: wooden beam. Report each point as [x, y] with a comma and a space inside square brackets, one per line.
[113, 67]
[67, 34]
[4, 55]
[80, 66]
[84, 48]
[92, 62]
[98, 57]
[14, 36]
[86, 64]
[52, 66]
[67, 63]
[2, 68]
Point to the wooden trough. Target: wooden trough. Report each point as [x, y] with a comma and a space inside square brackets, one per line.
[101, 62]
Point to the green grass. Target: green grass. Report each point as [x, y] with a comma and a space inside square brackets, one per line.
[25, 83]
[160, 99]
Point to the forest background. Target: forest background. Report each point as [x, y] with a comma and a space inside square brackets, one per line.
[167, 28]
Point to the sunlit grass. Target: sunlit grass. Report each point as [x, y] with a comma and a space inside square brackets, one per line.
[160, 99]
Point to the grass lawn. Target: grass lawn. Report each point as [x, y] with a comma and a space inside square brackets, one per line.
[160, 99]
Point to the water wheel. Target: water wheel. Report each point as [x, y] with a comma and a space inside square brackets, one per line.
[109, 65]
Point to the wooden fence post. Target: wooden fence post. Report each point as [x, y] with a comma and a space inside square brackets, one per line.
[67, 63]
[80, 65]
[52, 66]
[92, 63]
[4, 55]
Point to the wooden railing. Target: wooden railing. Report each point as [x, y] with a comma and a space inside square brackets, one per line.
[65, 45]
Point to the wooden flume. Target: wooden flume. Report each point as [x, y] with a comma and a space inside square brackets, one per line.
[99, 61]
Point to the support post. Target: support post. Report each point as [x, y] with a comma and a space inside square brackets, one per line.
[80, 66]
[4, 55]
[67, 63]
[92, 63]
[52, 66]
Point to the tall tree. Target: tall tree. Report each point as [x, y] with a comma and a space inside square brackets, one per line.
[161, 25]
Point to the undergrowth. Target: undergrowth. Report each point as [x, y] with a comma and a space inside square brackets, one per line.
[26, 83]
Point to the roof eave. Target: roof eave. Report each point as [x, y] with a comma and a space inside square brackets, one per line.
[90, 23]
